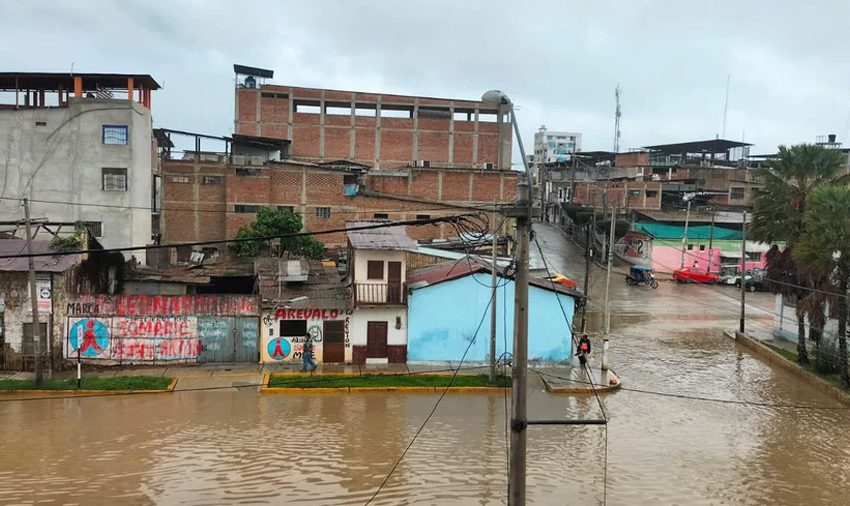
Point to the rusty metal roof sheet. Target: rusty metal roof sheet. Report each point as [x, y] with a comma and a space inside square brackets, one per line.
[325, 288]
[59, 263]
[447, 271]
[393, 238]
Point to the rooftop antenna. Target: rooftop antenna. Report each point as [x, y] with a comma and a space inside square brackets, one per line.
[725, 106]
[72, 68]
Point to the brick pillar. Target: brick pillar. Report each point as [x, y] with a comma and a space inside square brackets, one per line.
[78, 86]
[130, 89]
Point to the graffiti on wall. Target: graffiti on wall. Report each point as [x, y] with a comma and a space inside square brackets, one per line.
[133, 339]
[154, 328]
[280, 348]
[163, 305]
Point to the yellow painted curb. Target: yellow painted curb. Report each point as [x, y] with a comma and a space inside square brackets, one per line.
[266, 378]
[403, 390]
[301, 390]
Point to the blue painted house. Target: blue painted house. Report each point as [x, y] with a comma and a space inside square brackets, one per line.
[447, 301]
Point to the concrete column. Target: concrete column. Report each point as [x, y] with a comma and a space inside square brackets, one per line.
[475, 139]
[505, 139]
[644, 195]
[501, 187]
[469, 195]
[196, 198]
[415, 153]
[440, 185]
[322, 126]
[291, 103]
[353, 134]
[258, 117]
[304, 188]
[452, 133]
[378, 133]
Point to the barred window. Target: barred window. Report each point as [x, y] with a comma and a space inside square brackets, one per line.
[247, 171]
[212, 180]
[115, 134]
[114, 179]
[180, 179]
[323, 212]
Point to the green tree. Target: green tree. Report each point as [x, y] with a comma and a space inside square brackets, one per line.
[273, 222]
[824, 248]
[778, 215]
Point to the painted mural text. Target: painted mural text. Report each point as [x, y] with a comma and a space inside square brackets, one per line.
[163, 305]
[305, 314]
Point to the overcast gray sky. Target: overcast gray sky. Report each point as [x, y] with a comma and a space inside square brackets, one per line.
[559, 61]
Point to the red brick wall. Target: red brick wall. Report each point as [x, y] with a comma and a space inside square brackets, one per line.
[396, 134]
[195, 211]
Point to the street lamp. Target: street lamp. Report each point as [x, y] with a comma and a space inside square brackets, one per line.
[499, 98]
[519, 379]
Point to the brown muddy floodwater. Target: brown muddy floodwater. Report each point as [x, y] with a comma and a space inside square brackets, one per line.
[240, 447]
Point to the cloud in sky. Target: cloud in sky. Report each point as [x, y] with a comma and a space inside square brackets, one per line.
[559, 61]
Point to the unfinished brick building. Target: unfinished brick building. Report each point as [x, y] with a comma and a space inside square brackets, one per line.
[210, 196]
[377, 130]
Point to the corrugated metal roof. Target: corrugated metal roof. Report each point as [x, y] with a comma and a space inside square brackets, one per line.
[324, 288]
[447, 271]
[394, 238]
[42, 264]
[662, 231]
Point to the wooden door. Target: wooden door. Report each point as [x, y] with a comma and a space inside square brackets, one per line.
[333, 341]
[394, 292]
[376, 340]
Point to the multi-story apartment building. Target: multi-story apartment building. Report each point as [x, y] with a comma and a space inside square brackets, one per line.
[79, 148]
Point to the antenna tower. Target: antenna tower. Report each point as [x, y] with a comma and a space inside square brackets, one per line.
[617, 113]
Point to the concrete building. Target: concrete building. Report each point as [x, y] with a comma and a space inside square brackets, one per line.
[551, 147]
[448, 300]
[379, 292]
[374, 129]
[16, 321]
[80, 148]
[552, 164]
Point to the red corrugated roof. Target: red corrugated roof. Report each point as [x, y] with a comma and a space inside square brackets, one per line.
[447, 271]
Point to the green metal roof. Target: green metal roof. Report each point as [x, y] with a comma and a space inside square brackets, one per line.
[662, 231]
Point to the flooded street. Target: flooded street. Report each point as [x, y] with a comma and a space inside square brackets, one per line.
[240, 447]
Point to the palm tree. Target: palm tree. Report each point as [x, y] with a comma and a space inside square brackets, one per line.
[824, 248]
[779, 210]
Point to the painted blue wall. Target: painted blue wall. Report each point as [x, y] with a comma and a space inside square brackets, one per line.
[442, 320]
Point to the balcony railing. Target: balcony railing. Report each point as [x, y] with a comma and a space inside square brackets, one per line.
[380, 293]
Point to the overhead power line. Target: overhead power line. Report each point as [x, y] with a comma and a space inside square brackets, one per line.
[452, 219]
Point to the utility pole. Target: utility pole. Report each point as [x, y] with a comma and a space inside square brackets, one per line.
[685, 235]
[587, 254]
[743, 269]
[710, 241]
[519, 417]
[36, 328]
[608, 276]
[493, 281]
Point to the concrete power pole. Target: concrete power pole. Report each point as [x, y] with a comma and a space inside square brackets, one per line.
[36, 328]
[610, 268]
[685, 235]
[743, 270]
[519, 417]
[494, 282]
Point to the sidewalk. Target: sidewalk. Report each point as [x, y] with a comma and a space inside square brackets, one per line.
[198, 376]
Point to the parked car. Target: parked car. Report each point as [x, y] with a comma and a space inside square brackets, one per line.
[688, 275]
[755, 281]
